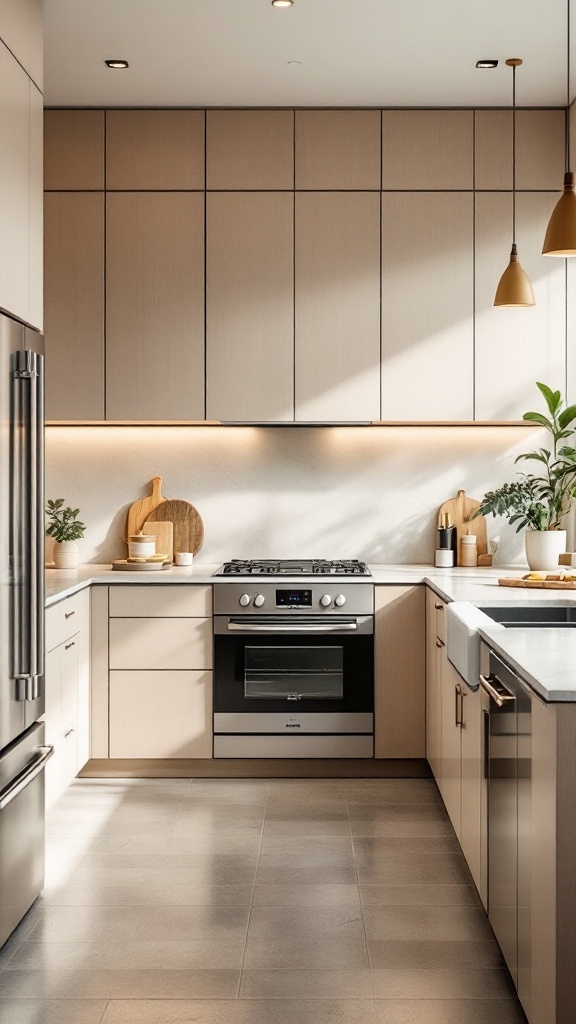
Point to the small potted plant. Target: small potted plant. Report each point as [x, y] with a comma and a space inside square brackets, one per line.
[66, 529]
[537, 503]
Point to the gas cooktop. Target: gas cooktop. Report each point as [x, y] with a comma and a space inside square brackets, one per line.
[293, 567]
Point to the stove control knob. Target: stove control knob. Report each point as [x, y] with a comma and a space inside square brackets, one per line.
[258, 601]
[325, 600]
[245, 600]
[340, 600]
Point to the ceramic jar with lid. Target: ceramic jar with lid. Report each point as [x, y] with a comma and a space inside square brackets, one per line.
[141, 545]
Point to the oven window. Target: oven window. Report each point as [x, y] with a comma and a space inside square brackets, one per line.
[293, 673]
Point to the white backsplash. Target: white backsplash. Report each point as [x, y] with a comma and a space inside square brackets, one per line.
[352, 492]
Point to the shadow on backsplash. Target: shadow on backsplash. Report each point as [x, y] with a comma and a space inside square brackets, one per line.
[334, 492]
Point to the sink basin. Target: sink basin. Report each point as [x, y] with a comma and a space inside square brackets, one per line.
[533, 615]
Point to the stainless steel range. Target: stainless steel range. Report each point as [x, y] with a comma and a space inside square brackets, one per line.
[294, 664]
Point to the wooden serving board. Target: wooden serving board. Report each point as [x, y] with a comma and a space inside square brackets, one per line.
[513, 581]
[124, 566]
[461, 509]
[187, 523]
[164, 533]
[141, 509]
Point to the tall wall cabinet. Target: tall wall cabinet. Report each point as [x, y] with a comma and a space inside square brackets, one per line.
[21, 133]
[308, 266]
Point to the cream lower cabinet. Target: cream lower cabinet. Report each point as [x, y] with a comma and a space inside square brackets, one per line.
[67, 715]
[160, 672]
[400, 728]
[454, 740]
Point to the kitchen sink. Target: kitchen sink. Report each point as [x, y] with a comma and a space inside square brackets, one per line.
[533, 615]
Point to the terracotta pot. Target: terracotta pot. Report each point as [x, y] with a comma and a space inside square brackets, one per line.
[543, 548]
[66, 554]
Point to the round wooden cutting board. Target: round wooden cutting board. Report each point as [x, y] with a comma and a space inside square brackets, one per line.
[187, 523]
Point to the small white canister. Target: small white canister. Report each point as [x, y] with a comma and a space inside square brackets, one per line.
[142, 545]
[183, 557]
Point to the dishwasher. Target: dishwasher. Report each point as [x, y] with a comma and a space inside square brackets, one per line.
[507, 715]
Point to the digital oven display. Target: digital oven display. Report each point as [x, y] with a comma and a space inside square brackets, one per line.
[293, 598]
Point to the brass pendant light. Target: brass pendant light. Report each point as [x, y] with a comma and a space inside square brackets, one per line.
[560, 239]
[514, 288]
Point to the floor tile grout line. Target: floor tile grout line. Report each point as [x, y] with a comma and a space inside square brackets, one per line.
[253, 892]
[361, 907]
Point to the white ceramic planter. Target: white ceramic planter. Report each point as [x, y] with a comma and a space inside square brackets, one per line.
[543, 548]
[66, 554]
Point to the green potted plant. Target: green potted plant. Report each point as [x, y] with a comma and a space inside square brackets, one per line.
[65, 527]
[537, 502]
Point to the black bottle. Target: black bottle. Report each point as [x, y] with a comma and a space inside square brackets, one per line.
[447, 539]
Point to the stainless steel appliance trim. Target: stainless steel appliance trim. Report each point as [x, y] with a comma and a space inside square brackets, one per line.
[499, 696]
[28, 529]
[295, 623]
[359, 596]
[308, 746]
[297, 627]
[26, 776]
[301, 722]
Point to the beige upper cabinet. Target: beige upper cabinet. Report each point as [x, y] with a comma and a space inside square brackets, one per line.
[249, 150]
[337, 302]
[337, 149]
[14, 187]
[154, 306]
[74, 305]
[154, 149]
[250, 306]
[21, 29]
[516, 347]
[36, 208]
[427, 306]
[539, 149]
[73, 150]
[427, 149]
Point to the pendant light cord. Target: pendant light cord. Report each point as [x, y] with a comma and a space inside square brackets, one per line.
[567, 86]
[514, 154]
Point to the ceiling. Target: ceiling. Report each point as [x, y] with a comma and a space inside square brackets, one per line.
[352, 52]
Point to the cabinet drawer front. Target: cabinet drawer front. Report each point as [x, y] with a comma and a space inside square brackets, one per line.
[160, 643]
[160, 714]
[161, 601]
[62, 622]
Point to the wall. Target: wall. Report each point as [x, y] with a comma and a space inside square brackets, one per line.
[369, 493]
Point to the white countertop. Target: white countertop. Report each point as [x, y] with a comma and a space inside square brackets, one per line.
[539, 656]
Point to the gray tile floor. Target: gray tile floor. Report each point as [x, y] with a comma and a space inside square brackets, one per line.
[254, 902]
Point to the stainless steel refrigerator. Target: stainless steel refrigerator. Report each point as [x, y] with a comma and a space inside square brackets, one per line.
[23, 754]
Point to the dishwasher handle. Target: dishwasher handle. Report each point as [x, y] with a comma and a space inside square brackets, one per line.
[26, 776]
[496, 690]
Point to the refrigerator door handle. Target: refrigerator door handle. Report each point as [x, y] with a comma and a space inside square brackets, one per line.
[26, 776]
[27, 523]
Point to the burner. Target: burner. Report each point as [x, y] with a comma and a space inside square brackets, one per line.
[293, 567]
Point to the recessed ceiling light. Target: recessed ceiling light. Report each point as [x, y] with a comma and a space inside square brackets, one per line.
[486, 63]
[282, 3]
[116, 63]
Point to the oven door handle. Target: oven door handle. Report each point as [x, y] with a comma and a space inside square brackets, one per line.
[300, 627]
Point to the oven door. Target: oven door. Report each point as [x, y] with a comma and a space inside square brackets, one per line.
[271, 665]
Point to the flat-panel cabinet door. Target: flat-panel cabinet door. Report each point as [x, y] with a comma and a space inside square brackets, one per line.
[154, 306]
[450, 786]
[69, 711]
[160, 714]
[472, 765]
[399, 684]
[337, 302]
[14, 187]
[433, 687]
[74, 305]
[250, 306]
[36, 316]
[427, 306]
[53, 721]
[515, 348]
